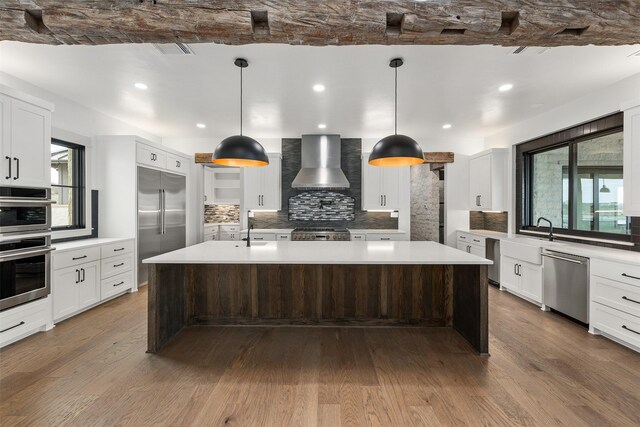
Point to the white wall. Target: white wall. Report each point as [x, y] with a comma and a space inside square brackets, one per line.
[207, 145]
[593, 105]
[456, 198]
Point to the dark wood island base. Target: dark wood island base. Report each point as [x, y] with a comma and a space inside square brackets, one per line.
[183, 295]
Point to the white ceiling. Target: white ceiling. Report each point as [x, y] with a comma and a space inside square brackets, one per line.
[437, 85]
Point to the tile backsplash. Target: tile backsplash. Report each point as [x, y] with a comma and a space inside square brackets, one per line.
[491, 221]
[322, 206]
[222, 213]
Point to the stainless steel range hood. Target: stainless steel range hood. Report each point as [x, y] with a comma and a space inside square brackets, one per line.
[320, 168]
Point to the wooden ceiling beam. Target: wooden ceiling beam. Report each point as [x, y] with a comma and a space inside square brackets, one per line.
[322, 23]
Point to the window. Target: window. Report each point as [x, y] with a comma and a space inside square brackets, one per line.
[574, 178]
[67, 185]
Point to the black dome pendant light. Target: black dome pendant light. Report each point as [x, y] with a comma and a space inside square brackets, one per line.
[240, 150]
[396, 150]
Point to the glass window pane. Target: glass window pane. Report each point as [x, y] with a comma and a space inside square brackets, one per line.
[550, 187]
[600, 185]
[62, 208]
[61, 165]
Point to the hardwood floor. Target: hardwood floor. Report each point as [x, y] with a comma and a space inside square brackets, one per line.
[92, 370]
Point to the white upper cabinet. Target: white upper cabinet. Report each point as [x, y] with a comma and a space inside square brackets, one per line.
[208, 186]
[488, 181]
[631, 161]
[25, 132]
[261, 186]
[151, 156]
[380, 187]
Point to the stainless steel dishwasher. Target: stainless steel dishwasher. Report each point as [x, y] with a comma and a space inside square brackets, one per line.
[566, 284]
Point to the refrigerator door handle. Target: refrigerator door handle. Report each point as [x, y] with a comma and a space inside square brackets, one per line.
[164, 209]
[160, 204]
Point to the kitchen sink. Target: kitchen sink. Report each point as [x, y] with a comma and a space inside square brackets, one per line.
[524, 249]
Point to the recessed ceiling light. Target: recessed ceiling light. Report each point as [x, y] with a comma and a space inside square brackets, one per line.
[141, 86]
[318, 88]
[322, 126]
[446, 126]
[201, 125]
[505, 87]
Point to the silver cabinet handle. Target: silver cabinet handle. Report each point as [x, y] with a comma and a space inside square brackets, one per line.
[12, 327]
[575, 261]
[164, 212]
[630, 276]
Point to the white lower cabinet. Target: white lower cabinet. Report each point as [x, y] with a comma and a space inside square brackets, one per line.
[472, 244]
[614, 309]
[522, 278]
[78, 285]
[24, 320]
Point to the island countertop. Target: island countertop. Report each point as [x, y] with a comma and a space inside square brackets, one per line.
[287, 252]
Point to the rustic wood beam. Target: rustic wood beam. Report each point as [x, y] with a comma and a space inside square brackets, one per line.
[439, 157]
[322, 23]
[203, 158]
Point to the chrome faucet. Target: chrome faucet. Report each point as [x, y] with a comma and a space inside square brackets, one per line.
[550, 227]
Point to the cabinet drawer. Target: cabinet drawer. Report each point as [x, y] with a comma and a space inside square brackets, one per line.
[373, 237]
[116, 265]
[229, 228]
[283, 236]
[616, 295]
[358, 237]
[471, 239]
[625, 273]
[23, 320]
[118, 248]
[76, 257]
[116, 284]
[616, 323]
[464, 237]
[176, 164]
[147, 155]
[267, 237]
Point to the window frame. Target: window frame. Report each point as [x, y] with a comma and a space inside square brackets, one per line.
[79, 189]
[570, 138]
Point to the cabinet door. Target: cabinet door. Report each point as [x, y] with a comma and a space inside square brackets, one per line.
[252, 188]
[150, 156]
[64, 290]
[270, 185]
[631, 161]
[478, 250]
[30, 145]
[89, 286]
[463, 246]
[390, 182]
[480, 183]
[531, 281]
[5, 140]
[176, 164]
[372, 197]
[208, 186]
[508, 277]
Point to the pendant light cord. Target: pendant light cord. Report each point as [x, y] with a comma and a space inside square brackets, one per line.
[240, 101]
[396, 102]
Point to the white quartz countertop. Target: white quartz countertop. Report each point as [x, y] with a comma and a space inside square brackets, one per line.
[286, 252]
[215, 224]
[85, 243]
[580, 249]
[373, 230]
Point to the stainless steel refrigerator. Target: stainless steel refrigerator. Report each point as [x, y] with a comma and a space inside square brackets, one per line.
[161, 215]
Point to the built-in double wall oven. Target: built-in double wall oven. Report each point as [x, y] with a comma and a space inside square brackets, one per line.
[25, 245]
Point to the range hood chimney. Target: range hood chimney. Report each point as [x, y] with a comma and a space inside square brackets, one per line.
[320, 168]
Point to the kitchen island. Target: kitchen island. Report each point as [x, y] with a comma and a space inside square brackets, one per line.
[366, 284]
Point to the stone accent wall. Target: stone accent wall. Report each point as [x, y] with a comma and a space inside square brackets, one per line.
[490, 221]
[222, 213]
[425, 218]
[352, 167]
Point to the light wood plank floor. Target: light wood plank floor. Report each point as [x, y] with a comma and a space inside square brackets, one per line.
[92, 370]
